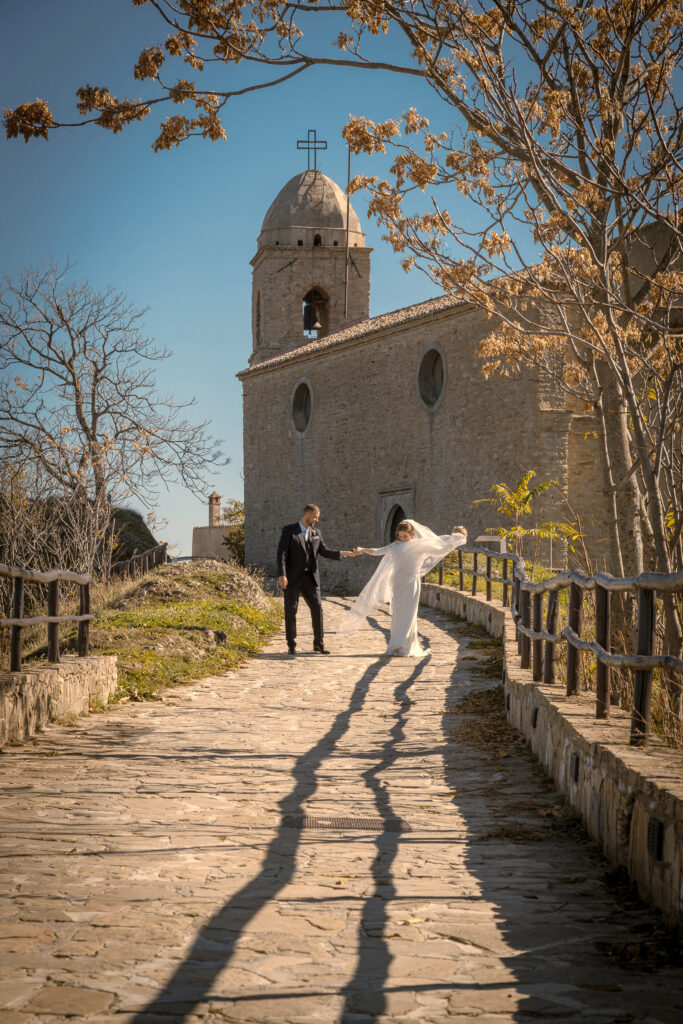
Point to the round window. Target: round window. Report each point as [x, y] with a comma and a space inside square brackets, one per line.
[302, 405]
[431, 377]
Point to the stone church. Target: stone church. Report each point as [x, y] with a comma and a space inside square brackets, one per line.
[379, 418]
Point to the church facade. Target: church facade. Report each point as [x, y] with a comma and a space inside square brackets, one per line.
[380, 418]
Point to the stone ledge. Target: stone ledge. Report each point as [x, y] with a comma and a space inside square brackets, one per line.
[38, 694]
[620, 789]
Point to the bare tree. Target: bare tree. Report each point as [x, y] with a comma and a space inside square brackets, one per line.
[79, 409]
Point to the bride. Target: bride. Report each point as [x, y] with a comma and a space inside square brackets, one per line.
[415, 551]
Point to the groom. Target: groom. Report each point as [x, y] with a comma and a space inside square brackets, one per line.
[297, 566]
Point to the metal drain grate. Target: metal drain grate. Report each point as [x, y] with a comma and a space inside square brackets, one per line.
[348, 824]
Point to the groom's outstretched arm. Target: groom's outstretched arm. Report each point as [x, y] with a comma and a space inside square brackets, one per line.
[328, 552]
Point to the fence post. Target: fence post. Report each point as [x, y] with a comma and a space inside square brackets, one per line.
[475, 566]
[488, 577]
[517, 610]
[551, 627]
[573, 655]
[602, 624]
[526, 621]
[440, 573]
[462, 578]
[642, 688]
[505, 586]
[53, 627]
[84, 627]
[538, 643]
[15, 634]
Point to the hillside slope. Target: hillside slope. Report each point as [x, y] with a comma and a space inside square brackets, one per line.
[184, 621]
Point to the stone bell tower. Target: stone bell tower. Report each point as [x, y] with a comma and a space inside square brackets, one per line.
[302, 280]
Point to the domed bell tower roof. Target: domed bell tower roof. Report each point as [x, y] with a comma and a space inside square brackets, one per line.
[310, 205]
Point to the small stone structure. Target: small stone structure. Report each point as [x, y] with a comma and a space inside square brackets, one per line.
[207, 541]
[630, 799]
[379, 418]
[30, 699]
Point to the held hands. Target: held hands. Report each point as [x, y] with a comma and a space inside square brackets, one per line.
[351, 554]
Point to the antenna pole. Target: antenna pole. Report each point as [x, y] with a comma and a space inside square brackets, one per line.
[346, 264]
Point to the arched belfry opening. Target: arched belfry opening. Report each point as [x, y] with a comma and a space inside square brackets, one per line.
[315, 314]
[396, 516]
[307, 286]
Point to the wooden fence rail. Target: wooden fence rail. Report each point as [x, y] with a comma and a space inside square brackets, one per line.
[53, 619]
[537, 643]
[140, 564]
[53, 577]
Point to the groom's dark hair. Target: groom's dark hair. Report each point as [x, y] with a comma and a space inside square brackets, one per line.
[311, 508]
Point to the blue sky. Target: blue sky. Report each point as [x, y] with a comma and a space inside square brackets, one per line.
[175, 231]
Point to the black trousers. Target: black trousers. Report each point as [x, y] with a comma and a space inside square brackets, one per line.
[310, 590]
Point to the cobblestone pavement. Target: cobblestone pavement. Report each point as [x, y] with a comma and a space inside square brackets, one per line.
[149, 877]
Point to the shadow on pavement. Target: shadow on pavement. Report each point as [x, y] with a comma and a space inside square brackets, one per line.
[547, 890]
[192, 981]
[365, 992]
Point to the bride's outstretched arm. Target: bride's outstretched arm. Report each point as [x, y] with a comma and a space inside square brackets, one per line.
[371, 551]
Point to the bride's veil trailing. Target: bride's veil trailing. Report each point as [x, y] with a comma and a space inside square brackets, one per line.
[379, 590]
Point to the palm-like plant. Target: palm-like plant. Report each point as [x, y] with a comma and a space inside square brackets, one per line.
[515, 503]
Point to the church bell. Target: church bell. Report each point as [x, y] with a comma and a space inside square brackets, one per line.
[311, 321]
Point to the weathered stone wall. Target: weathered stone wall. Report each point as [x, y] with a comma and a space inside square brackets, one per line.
[618, 789]
[372, 444]
[283, 275]
[33, 697]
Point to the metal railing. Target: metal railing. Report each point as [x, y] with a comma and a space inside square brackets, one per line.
[140, 564]
[18, 621]
[536, 643]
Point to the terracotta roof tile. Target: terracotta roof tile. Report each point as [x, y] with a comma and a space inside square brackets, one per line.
[360, 329]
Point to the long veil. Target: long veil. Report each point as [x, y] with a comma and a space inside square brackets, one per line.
[379, 589]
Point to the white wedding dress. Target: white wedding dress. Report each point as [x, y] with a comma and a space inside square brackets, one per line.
[397, 581]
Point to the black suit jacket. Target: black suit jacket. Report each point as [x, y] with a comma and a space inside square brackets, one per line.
[292, 555]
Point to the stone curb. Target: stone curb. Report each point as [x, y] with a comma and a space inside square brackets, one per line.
[32, 698]
[622, 793]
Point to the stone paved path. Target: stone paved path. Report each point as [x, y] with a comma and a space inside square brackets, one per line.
[147, 875]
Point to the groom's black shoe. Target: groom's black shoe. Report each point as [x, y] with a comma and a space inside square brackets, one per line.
[291, 649]
[320, 649]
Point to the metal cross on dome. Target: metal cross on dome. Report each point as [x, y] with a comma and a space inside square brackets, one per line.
[312, 144]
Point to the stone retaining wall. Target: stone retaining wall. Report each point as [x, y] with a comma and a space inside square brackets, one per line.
[35, 696]
[620, 791]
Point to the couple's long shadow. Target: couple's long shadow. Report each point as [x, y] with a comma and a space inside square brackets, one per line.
[540, 954]
[193, 980]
